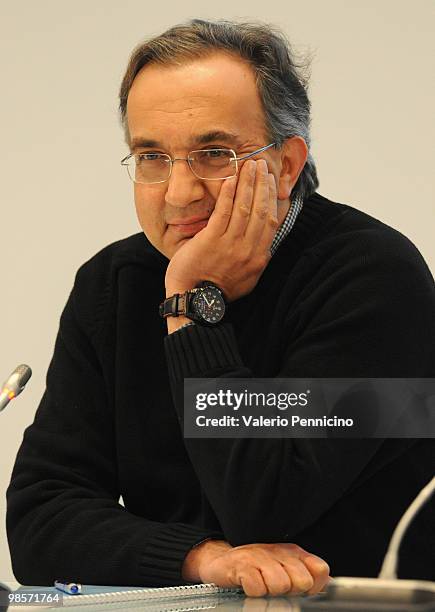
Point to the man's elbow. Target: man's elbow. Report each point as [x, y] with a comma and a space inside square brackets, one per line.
[28, 571]
[27, 565]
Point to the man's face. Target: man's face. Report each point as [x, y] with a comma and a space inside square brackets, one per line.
[175, 106]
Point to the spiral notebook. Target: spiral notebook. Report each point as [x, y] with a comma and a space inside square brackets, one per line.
[164, 599]
[100, 594]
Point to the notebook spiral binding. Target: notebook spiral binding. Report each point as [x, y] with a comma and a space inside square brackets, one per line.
[149, 594]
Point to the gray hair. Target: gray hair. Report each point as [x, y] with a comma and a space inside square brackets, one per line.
[281, 82]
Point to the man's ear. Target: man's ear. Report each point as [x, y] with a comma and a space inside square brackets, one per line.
[294, 153]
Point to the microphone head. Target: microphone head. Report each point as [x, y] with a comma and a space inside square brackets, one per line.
[14, 384]
[23, 373]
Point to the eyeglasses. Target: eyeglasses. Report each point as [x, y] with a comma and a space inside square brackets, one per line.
[206, 164]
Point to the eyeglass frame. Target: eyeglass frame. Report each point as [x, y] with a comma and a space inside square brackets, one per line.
[173, 160]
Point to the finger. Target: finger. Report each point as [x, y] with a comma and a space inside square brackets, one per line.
[276, 578]
[252, 582]
[301, 579]
[223, 209]
[260, 206]
[317, 567]
[319, 570]
[271, 226]
[243, 200]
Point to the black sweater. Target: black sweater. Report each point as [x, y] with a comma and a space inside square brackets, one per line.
[344, 296]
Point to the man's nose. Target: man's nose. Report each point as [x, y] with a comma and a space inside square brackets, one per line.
[183, 186]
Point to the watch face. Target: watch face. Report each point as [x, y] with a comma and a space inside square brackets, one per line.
[209, 304]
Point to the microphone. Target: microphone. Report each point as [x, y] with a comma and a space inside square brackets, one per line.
[386, 592]
[14, 384]
[389, 565]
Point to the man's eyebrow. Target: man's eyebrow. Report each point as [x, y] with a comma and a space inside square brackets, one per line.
[136, 143]
[221, 135]
[201, 139]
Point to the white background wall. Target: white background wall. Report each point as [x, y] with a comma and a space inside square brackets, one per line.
[61, 67]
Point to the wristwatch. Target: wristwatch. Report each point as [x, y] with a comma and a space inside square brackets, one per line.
[204, 304]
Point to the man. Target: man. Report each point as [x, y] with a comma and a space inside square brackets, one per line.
[217, 121]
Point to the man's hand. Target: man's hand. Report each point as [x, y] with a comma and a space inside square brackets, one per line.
[260, 569]
[234, 248]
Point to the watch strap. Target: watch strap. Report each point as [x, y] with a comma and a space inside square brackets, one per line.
[180, 303]
[175, 305]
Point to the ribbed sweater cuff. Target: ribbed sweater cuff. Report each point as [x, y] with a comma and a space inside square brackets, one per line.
[161, 563]
[196, 350]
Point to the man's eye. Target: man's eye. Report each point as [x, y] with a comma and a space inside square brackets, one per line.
[215, 153]
[150, 156]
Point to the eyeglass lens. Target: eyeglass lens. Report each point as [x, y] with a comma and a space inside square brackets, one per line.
[206, 164]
